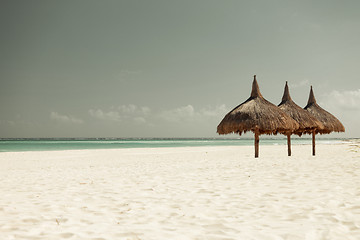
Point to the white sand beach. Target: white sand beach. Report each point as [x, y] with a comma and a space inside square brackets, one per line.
[182, 193]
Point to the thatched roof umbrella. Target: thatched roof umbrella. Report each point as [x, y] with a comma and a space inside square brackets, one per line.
[258, 115]
[330, 122]
[307, 122]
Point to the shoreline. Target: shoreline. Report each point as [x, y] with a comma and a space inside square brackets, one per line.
[64, 145]
[180, 148]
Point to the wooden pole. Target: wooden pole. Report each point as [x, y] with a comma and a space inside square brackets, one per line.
[256, 143]
[289, 143]
[313, 142]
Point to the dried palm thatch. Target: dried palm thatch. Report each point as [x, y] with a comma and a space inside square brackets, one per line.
[307, 122]
[258, 115]
[330, 122]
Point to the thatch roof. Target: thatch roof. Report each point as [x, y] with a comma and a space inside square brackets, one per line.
[330, 122]
[307, 122]
[256, 113]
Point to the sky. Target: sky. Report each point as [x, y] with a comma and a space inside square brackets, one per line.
[161, 68]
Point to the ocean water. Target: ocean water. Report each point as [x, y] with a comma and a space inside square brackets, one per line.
[19, 145]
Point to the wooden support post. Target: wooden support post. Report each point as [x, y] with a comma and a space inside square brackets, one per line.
[256, 143]
[313, 142]
[288, 134]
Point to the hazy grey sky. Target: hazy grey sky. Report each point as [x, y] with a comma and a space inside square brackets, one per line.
[170, 68]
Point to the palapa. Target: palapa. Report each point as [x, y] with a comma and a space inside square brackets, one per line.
[330, 122]
[307, 122]
[258, 115]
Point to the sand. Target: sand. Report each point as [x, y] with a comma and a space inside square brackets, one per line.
[182, 193]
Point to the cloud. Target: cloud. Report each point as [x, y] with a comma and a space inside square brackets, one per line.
[133, 109]
[345, 105]
[188, 113]
[178, 114]
[144, 115]
[121, 113]
[346, 100]
[100, 114]
[64, 118]
[216, 111]
[127, 108]
[303, 83]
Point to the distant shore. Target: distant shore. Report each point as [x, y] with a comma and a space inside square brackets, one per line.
[53, 144]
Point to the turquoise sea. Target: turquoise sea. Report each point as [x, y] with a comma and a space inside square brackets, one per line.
[16, 145]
